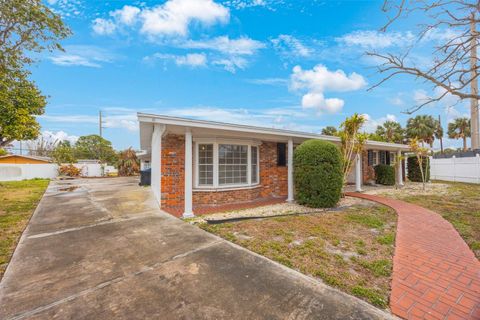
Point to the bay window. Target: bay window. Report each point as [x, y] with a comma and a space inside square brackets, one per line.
[223, 164]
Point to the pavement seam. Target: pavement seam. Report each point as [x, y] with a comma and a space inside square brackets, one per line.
[112, 281]
[109, 221]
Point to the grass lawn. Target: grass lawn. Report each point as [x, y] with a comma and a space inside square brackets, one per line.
[18, 200]
[459, 204]
[351, 249]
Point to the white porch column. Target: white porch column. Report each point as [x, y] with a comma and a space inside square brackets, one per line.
[399, 168]
[188, 197]
[156, 161]
[358, 173]
[290, 170]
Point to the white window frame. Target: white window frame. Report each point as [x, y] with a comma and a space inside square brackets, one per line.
[376, 158]
[216, 142]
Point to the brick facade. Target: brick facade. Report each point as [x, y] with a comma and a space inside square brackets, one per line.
[273, 179]
[368, 172]
[172, 174]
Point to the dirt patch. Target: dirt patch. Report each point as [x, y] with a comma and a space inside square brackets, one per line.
[350, 249]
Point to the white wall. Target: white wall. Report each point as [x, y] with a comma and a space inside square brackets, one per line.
[16, 172]
[456, 169]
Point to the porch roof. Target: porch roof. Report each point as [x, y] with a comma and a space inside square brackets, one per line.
[216, 129]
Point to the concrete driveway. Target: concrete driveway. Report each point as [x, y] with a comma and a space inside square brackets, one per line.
[101, 249]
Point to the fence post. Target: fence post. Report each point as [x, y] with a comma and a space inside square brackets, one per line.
[478, 167]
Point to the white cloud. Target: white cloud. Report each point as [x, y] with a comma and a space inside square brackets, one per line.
[191, 59]
[127, 15]
[82, 55]
[58, 136]
[103, 26]
[288, 45]
[319, 80]
[231, 64]
[318, 102]
[269, 81]
[371, 39]
[172, 18]
[372, 124]
[223, 44]
[243, 4]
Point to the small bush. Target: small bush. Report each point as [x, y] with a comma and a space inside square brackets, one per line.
[318, 174]
[69, 170]
[385, 174]
[413, 169]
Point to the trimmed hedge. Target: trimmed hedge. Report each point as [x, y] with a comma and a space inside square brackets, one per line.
[318, 174]
[413, 169]
[385, 174]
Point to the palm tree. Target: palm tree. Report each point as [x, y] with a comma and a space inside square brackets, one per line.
[423, 128]
[329, 131]
[390, 131]
[128, 163]
[439, 133]
[460, 128]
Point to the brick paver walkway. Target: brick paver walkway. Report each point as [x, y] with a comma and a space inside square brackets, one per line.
[435, 274]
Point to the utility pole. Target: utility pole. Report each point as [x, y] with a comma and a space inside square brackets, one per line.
[100, 122]
[474, 86]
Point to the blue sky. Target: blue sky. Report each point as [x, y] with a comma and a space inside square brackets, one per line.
[288, 64]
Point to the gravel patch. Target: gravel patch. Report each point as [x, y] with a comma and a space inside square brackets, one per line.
[279, 209]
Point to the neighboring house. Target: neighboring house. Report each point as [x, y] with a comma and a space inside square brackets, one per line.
[199, 163]
[22, 159]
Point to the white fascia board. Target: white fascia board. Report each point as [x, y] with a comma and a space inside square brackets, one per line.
[193, 123]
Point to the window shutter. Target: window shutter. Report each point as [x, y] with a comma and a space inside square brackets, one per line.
[370, 158]
[281, 154]
[387, 156]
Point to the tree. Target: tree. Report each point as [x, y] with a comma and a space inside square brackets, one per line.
[390, 131]
[439, 133]
[20, 102]
[422, 155]
[26, 27]
[454, 65]
[329, 131]
[64, 153]
[352, 142]
[95, 147]
[423, 128]
[128, 163]
[3, 152]
[460, 128]
[42, 147]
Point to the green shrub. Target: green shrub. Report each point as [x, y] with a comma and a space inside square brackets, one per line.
[318, 174]
[385, 174]
[413, 169]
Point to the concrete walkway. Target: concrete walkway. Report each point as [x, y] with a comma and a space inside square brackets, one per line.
[101, 249]
[435, 274]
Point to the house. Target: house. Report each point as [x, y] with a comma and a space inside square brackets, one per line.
[22, 159]
[197, 164]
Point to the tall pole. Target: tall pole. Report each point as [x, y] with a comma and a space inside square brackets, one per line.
[474, 86]
[100, 122]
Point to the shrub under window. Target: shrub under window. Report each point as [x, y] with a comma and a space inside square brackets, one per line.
[318, 174]
[385, 174]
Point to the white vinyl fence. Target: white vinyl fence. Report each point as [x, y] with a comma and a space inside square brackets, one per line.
[16, 172]
[465, 169]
